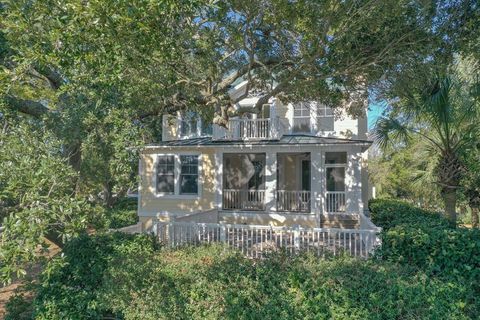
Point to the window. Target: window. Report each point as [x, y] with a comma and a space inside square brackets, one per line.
[166, 174]
[189, 124]
[188, 174]
[335, 163]
[326, 120]
[335, 158]
[265, 114]
[207, 128]
[301, 117]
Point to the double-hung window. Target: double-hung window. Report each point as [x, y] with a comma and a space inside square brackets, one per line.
[189, 124]
[166, 174]
[189, 174]
[301, 117]
[177, 175]
[326, 118]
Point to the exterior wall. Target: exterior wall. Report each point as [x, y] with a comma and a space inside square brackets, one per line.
[345, 126]
[167, 206]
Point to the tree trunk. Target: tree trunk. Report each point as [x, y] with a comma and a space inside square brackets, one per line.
[475, 217]
[108, 198]
[450, 200]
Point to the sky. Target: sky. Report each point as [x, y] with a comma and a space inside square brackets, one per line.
[375, 110]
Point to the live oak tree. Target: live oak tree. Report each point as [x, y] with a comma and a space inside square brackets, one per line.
[95, 75]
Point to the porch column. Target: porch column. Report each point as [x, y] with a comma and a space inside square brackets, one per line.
[219, 179]
[353, 182]
[270, 181]
[318, 184]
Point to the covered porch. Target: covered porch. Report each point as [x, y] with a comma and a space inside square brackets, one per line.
[286, 182]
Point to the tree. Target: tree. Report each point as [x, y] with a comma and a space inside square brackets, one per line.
[402, 171]
[443, 113]
[96, 75]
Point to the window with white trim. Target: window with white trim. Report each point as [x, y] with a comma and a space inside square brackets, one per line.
[189, 124]
[165, 174]
[301, 117]
[335, 167]
[188, 174]
[326, 118]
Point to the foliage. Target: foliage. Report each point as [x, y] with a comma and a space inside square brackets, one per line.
[443, 112]
[403, 172]
[18, 307]
[426, 240]
[36, 195]
[122, 214]
[69, 287]
[128, 277]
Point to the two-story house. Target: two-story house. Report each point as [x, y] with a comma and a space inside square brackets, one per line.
[291, 164]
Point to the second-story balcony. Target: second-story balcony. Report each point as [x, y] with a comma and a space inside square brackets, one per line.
[249, 129]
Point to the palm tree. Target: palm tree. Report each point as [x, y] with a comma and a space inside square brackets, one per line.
[443, 114]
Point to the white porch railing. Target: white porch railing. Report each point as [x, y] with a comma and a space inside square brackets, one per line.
[248, 129]
[243, 199]
[294, 201]
[256, 240]
[335, 202]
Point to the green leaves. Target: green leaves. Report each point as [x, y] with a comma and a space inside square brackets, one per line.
[426, 240]
[127, 277]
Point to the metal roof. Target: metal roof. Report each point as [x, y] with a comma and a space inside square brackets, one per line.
[284, 141]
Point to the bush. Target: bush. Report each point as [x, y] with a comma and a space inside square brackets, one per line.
[69, 286]
[123, 213]
[426, 240]
[128, 277]
[213, 283]
[390, 213]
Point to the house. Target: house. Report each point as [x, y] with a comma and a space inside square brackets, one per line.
[291, 164]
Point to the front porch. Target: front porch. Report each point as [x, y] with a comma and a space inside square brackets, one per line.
[300, 186]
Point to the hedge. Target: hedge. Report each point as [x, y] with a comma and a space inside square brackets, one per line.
[427, 269]
[69, 287]
[128, 277]
[426, 240]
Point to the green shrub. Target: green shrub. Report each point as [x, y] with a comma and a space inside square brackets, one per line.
[213, 283]
[123, 213]
[70, 284]
[426, 240]
[390, 213]
[128, 277]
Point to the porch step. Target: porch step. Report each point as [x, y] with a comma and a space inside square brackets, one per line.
[345, 221]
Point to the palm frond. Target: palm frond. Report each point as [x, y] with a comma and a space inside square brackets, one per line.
[389, 130]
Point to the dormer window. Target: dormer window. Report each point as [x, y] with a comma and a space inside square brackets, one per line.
[189, 124]
[301, 118]
[192, 126]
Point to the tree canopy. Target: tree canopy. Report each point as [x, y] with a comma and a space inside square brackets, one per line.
[83, 83]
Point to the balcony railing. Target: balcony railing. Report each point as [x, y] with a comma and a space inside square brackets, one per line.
[248, 129]
[243, 199]
[335, 201]
[293, 201]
